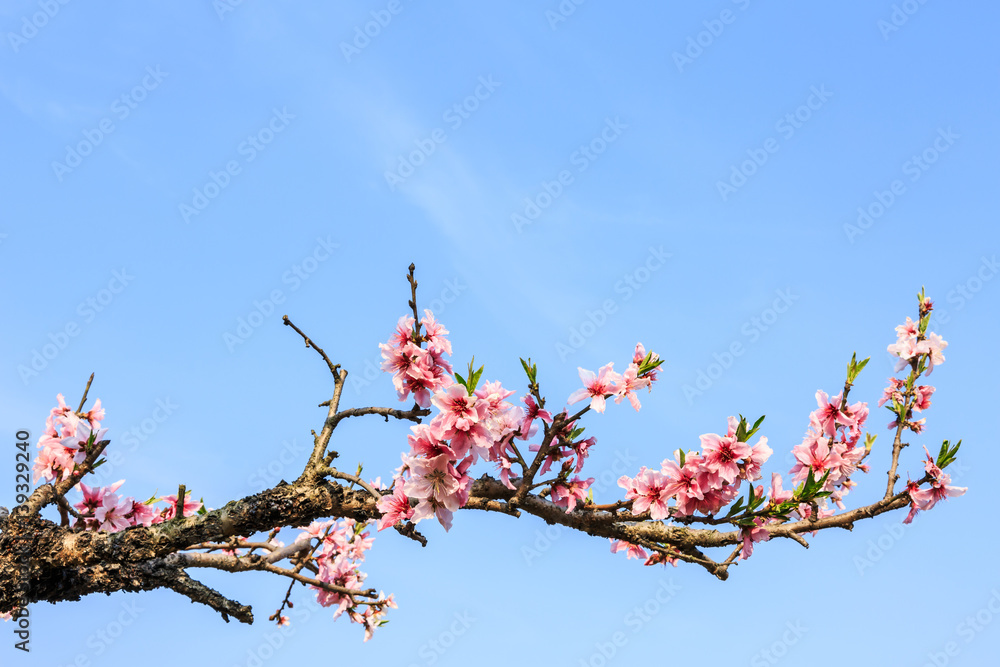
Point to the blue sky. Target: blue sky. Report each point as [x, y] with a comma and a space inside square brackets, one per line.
[669, 174]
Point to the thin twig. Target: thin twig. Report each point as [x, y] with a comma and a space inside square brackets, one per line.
[309, 343]
[86, 390]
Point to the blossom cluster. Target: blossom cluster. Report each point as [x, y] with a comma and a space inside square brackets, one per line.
[606, 382]
[417, 370]
[469, 425]
[831, 450]
[480, 423]
[67, 440]
[702, 481]
[102, 509]
[911, 343]
[940, 488]
[922, 351]
[830, 453]
[339, 550]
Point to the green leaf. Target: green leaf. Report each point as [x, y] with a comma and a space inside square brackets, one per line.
[741, 430]
[943, 452]
[735, 509]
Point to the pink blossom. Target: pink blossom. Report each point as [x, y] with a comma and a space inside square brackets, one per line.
[191, 506]
[394, 507]
[630, 383]
[716, 498]
[908, 329]
[403, 333]
[631, 550]
[829, 414]
[596, 387]
[528, 428]
[434, 334]
[111, 513]
[501, 417]
[779, 495]
[893, 392]
[648, 491]
[759, 454]
[93, 497]
[639, 356]
[428, 441]
[431, 478]
[940, 489]
[461, 419]
[751, 535]
[566, 494]
[922, 398]
[722, 455]
[431, 507]
[933, 346]
[684, 482]
[813, 454]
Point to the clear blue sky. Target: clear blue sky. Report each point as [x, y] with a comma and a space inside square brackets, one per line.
[210, 157]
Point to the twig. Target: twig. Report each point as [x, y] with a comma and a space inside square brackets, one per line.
[354, 479]
[332, 366]
[414, 414]
[179, 503]
[413, 304]
[86, 390]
